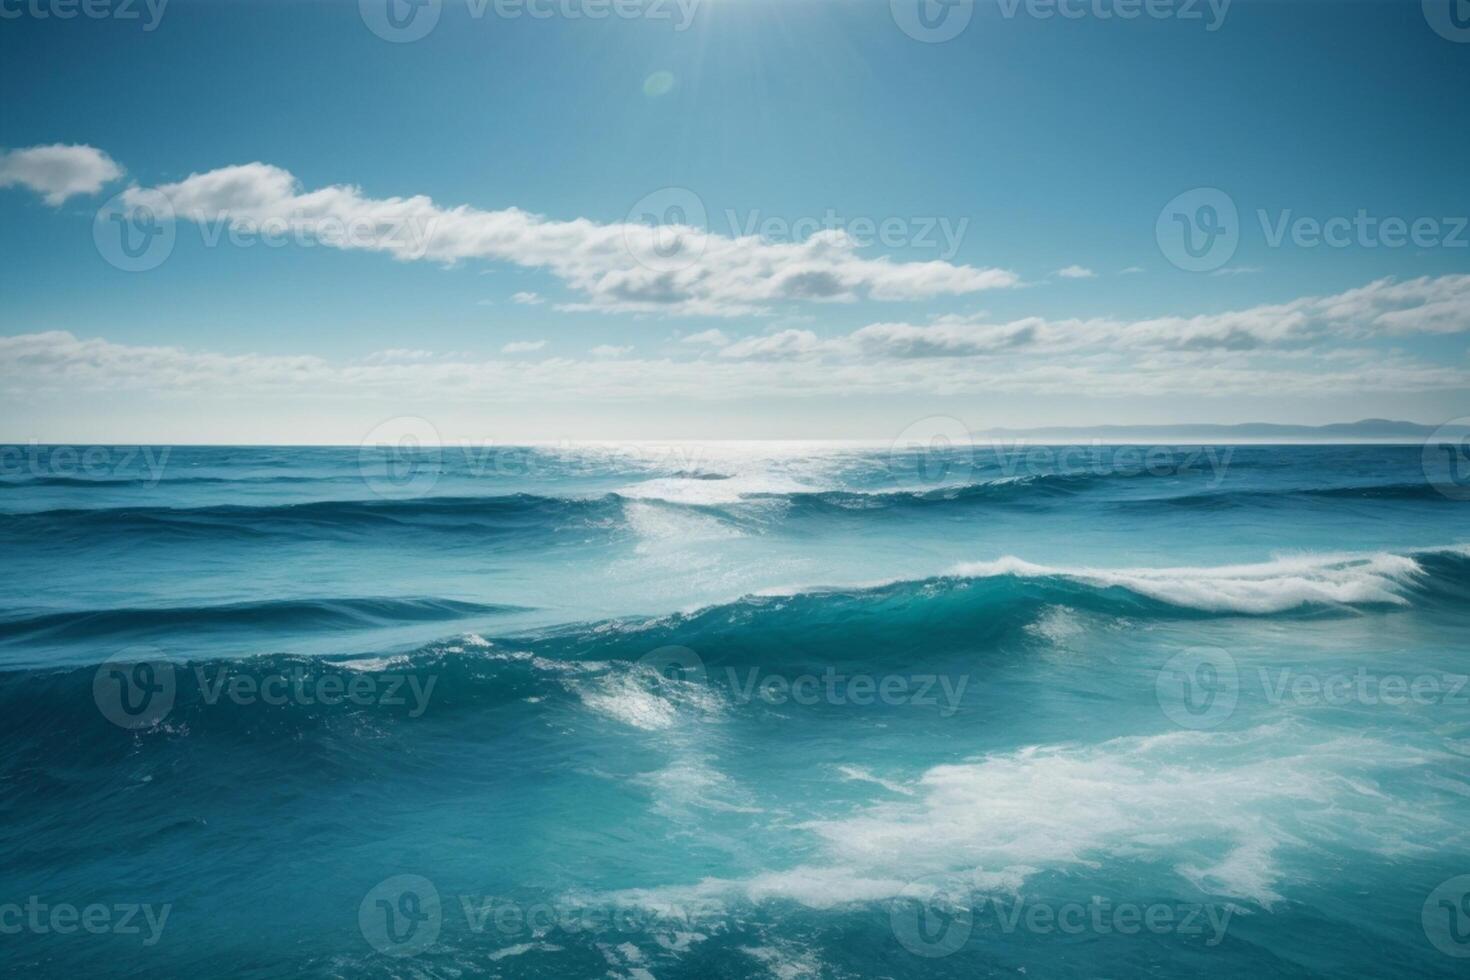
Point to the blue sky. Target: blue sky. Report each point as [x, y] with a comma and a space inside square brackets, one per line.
[1026, 145]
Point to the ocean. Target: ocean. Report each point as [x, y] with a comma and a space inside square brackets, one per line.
[734, 710]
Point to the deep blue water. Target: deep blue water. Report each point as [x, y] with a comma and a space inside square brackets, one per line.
[734, 710]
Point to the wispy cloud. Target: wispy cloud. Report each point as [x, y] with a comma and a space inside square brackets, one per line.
[1076, 272]
[708, 338]
[522, 346]
[623, 267]
[59, 364]
[527, 298]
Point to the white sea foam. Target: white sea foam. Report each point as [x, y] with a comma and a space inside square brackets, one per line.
[786, 961]
[1272, 586]
[636, 695]
[666, 524]
[1221, 807]
[861, 775]
[520, 949]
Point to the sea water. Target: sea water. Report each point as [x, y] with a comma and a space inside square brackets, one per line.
[734, 710]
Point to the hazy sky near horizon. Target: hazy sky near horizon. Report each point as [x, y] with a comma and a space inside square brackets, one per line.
[287, 222]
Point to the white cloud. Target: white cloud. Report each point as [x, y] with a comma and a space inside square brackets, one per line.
[398, 355]
[59, 364]
[58, 171]
[626, 267]
[781, 345]
[1383, 307]
[522, 346]
[1316, 347]
[1131, 270]
[527, 299]
[711, 338]
[1076, 272]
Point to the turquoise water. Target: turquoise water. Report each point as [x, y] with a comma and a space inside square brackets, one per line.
[734, 710]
